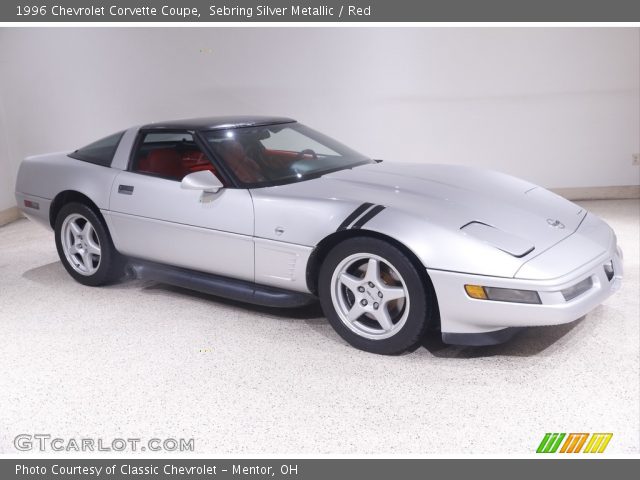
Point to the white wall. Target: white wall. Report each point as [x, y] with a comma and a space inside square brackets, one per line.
[559, 106]
[7, 162]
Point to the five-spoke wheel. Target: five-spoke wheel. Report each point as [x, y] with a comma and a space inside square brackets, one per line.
[375, 296]
[85, 246]
[80, 244]
[370, 296]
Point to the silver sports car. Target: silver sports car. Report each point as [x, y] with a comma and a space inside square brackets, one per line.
[269, 211]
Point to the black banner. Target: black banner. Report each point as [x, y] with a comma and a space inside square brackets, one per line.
[320, 11]
[314, 469]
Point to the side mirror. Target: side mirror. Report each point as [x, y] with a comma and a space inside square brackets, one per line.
[204, 180]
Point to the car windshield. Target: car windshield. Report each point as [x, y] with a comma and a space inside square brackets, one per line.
[278, 154]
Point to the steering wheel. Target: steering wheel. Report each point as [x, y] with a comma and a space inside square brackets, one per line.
[307, 151]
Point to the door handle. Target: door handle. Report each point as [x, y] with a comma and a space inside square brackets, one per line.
[125, 189]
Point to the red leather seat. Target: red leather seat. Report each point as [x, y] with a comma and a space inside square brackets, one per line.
[234, 155]
[195, 161]
[162, 161]
[170, 163]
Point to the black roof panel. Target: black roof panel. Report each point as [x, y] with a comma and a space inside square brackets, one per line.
[213, 123]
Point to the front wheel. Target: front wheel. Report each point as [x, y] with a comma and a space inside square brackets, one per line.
[374, 297]
[85, 246]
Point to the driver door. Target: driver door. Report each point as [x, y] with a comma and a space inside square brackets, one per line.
[153, 218]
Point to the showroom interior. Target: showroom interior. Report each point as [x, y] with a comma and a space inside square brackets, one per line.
[559, 107]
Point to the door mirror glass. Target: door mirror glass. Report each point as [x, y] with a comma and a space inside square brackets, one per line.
[203, 180]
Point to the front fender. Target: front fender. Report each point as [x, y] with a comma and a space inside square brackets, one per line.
[442, 248]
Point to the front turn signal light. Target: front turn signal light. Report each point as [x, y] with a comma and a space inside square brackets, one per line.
[503, 294]
[476, 291]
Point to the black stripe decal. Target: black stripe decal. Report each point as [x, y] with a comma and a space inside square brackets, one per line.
[368, 216]
[355, 214]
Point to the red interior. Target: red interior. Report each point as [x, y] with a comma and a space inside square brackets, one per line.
[284, 158]
[243, 166]
[281, 154]
[170, 163]
[280, 158]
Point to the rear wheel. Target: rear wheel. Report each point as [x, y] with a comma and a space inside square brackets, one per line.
[374, 297]
[85, 246]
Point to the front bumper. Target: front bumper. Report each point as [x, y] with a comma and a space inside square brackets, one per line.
[468, 321]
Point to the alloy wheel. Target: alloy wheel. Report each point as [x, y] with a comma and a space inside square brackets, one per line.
[80, 244]
[370, 296]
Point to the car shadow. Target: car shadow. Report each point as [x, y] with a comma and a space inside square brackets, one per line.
[529, 342]
[47, 274]
[54, 273]
[307, 312]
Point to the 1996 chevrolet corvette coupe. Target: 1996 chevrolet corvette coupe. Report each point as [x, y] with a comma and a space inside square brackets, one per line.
[269, 211]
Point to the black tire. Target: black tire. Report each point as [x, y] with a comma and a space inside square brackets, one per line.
[421, 301]
[109, 266]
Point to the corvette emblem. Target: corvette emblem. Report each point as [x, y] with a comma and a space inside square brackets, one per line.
[555, 223]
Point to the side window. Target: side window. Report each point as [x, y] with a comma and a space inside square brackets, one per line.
[170, 155]
[100, 152]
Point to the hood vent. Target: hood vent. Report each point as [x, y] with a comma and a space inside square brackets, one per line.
[507, 242]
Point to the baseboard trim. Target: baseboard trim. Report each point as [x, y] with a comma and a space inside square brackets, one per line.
[619, 192]
[9, 215]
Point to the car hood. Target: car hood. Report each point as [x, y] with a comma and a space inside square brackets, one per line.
[506, 212]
